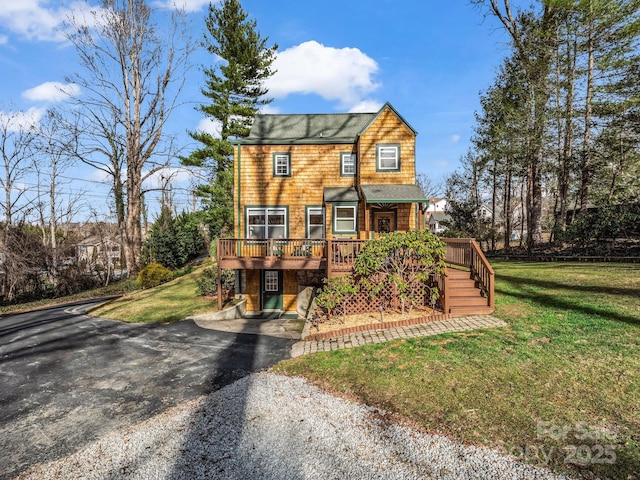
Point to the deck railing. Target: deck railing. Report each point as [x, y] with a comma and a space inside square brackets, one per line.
[232, 248]
[337, 256]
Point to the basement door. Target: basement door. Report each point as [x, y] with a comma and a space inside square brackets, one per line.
[272, 290]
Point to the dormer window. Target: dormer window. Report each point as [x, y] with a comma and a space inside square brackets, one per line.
[281, 165]
[388, 157]
[347, 164]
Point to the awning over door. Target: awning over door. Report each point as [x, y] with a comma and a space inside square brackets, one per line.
[393, 194]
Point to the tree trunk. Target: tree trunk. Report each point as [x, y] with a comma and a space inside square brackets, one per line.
[133, 234]
[585, 170]
[507, 209]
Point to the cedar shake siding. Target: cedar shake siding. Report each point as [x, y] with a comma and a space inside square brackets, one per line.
[304, 183]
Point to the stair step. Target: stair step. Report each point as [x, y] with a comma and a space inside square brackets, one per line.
[468, 301]
[453, 273]
[474, 310]
[469, 291]
[461, 282]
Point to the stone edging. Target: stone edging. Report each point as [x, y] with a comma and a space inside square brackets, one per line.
[375, 326]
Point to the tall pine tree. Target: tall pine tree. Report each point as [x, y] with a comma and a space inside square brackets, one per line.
[235, 88]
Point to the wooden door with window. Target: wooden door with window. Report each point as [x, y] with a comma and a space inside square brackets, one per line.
[272, 290]
[384, 222]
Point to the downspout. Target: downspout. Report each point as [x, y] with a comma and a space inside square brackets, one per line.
[239, 213]
[238, 222]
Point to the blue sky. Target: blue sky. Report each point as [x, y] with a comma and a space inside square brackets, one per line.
[429, 59]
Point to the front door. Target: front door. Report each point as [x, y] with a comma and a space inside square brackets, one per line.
[272, 290]
[384, 222]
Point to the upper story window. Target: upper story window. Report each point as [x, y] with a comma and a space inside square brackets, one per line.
[347, 164]
[281, 165]
[266, 223]
[388, 157]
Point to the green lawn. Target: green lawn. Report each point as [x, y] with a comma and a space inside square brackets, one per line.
[169, 302]
[560, 386]
[117, 288]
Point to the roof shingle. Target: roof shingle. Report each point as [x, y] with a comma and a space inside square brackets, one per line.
[296, 128]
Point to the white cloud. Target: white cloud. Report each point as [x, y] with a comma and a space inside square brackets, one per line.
[366, 106]
[269, 109]
[339, 74]
[186, 5]
[3, 39]
[21, 120]
[51, 92]
[175, 176]
[35, 20]
[98, 175]
[212, 127]
[455, 138]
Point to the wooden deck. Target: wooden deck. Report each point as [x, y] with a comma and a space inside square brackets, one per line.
[466, 288]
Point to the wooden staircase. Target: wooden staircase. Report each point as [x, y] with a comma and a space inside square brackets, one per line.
[464, 294]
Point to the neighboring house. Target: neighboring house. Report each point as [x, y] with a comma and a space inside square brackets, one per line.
[94, 250]
[436, 220]
[437, 205]
[437, 214]
[307, 189]
[484, 212]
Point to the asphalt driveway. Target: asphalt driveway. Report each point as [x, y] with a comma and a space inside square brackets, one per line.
[66, 379]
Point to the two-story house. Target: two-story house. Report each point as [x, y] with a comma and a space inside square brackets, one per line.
[309, 190]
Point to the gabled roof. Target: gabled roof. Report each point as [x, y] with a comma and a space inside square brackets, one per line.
[307, 128]
[440, 216]
[395, 112]
[313, 128]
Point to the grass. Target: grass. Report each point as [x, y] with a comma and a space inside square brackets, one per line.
[169, 302]
[558, 387]
[117, 288]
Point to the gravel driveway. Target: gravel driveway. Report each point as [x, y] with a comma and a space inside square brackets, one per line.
[267, 426]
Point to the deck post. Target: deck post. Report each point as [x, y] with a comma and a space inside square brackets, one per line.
[445, 297]
[329, 254]
[219, 274]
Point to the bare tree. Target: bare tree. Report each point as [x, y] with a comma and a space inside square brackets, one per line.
[17, 134]
[133, 73]
[16, 141]
[55, 147]
[430, 187]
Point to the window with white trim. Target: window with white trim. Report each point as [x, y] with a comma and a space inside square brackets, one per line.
[266, 223]
[347, 164]
[344, 218]
[271, 281]
[281, 165]
[315, 222]
[388, 157]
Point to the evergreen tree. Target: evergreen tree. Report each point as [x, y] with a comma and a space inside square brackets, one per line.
[235, 88]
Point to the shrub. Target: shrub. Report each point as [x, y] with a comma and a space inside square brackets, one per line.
[336, 294]
[208, 283]
[402, 263]
[153, 275]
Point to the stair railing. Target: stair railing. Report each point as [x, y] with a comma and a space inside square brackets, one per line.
[465, 252]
